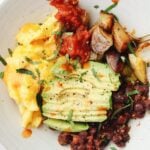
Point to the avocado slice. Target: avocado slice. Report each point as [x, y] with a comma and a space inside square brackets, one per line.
[66, 126]
[85, 92]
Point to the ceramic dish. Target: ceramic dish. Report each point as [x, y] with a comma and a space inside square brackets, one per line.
[13, 14]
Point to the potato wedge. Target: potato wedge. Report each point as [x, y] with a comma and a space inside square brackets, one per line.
[121, 38]
[101, 41]
[106, 21]
[143, 51]
[139, 67]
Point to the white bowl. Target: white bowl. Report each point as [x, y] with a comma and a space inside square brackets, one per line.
[134, 14]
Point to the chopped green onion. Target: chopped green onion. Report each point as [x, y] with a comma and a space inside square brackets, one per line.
[76, 63]
[26, 71]
[119, 110]
[110, 102]
[81, 76]
[41, 82]
[131, 49]
[58, 33]
[31, 61]
[70, 115]
[39, 100]
[28, 59]
[96, 6]
[38, 72]
[116, 18]
[19, 43]
[134, 92]
[95, 74]
[40, 24]
[3, 61]
[113, 148]
[1, 75]
[10, 52]
[110, 7]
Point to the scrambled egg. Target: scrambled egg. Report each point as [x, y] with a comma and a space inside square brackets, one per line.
[37, 46]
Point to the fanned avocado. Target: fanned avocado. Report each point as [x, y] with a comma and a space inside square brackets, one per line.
[86, 93]
[62, 125]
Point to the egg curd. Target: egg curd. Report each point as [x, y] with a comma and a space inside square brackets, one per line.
[34, 53]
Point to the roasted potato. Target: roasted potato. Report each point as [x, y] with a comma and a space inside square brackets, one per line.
[139, 67]
[106, 21]
[143, 51]
[101, 41]
[121, 38]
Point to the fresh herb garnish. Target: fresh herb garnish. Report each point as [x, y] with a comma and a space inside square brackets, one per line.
[28, 59]
[113, 148]
[99, 128]
[3, 61]
[116, 18]
[31, 61]
[95, 74]
[26, 71]
[1, 75]
[96, 6]
[81, 76]
[76, 63]
[39, 100]
[19, 43]
[110, 102]
[120, 110]
[58, 33]
[131, 49]
[134, 92]
[38, 72]
[41, 82]
[10, 51]
[40, 24]
[70, 114]
[130, 100]
[108, 9]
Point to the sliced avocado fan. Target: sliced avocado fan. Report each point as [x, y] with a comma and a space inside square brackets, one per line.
[82, 96]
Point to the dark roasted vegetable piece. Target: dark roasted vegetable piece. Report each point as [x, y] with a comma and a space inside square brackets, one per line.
[101, 41]
[106, 21]
[114, 60]
[121, 38]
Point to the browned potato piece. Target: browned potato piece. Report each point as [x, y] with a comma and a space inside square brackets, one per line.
[139, 67]
[121, 38]
[101, 41]
[143, 51]
[106, 21]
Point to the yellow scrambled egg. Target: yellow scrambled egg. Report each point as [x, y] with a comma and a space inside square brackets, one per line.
[37, 46]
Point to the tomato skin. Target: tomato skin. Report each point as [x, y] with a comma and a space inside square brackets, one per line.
[71, 2]
[77, 45]
[70, 14]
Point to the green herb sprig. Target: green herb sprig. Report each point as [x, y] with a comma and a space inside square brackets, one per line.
[26, 71]
[119, 110]
[108, 9]
[131, 49]
[10, 51]
[131, 93]
[1, 75]
[3, 61]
